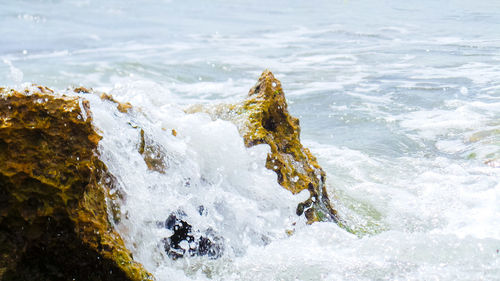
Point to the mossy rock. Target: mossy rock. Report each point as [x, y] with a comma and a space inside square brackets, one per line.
[263, 117]
[54, 222]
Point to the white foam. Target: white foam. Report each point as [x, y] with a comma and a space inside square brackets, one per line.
[436, 122]
[413, 194]
[208, 165]
[426, 203]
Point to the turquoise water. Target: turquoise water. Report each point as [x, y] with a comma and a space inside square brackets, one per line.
[399, 101]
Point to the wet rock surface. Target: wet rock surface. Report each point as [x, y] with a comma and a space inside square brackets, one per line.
[154, 155]
[54, 222]
[186, 241]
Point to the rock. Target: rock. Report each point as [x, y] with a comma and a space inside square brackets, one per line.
[263, 118]
[122, 107]
[185, 240]
[487, 138]
[54, 222]
[154, 154]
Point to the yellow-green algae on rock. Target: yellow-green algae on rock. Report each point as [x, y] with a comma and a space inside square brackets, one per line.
[152, 153]
[54, 223]
[263, 118]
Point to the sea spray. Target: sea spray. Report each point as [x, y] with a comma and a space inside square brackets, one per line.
[210, 178]
[368, 88]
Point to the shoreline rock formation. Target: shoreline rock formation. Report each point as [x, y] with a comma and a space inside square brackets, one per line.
[54, 222]
[263, 117]
[56, 211]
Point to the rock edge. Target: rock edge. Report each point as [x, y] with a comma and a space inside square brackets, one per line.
[263, 117]
[54, 222]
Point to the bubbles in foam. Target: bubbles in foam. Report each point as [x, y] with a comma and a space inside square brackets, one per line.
[211, 180]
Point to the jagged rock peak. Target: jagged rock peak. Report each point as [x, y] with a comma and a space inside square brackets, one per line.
[263, 117]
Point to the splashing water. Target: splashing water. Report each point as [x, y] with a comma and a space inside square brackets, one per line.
[210, 179]
[399, 102]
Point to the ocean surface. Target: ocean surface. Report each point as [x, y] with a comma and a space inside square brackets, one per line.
[399, 101]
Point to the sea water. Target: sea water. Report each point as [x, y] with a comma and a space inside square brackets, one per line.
[399, 100]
